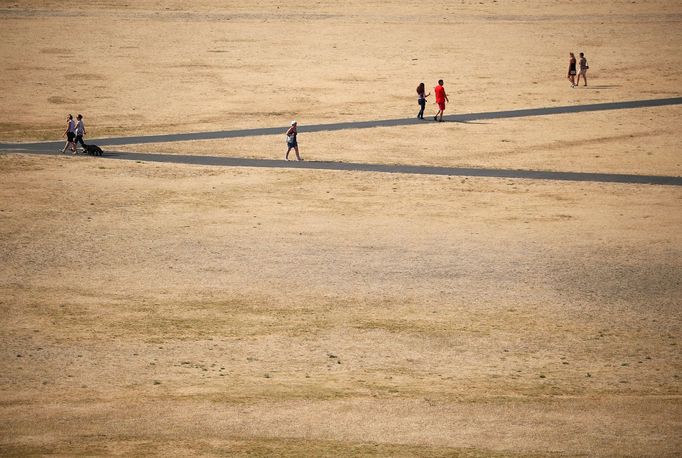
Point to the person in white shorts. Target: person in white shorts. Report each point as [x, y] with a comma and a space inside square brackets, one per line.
[583, 70]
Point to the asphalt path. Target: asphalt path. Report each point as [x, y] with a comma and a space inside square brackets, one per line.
[386, 168]
[52, 147]
[461, 118]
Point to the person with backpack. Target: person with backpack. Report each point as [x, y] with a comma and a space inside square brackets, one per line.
[292, 142]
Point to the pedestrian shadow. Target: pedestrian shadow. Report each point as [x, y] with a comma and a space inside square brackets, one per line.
[463, 121]
[601, 86]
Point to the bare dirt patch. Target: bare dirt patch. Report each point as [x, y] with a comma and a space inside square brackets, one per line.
[245, 297]
[176, 310]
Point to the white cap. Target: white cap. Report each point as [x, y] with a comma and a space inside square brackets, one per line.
[293, 122]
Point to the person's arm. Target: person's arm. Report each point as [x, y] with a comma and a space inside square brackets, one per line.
[427, 95]
[446, 97]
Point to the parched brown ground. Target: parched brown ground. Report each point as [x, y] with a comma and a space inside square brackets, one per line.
[153, 309]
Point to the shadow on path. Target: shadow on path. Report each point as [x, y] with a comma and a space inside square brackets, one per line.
[463, 118]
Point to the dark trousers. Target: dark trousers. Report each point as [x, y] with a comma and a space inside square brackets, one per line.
[79, 139]
[422, 104]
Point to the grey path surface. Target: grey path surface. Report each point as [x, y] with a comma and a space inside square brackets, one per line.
[390, 168]
[463, 118]
[410, 169]
[52, 147]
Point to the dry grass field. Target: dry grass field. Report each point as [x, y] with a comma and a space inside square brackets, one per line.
[164, 309]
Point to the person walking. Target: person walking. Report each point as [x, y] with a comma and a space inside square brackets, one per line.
[571, 69]
[80, 131]
[441, 98]
[583, 70]
[421, 100]
[292, 141]
[70, 134]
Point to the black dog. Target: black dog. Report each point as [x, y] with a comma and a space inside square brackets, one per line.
[93, 150]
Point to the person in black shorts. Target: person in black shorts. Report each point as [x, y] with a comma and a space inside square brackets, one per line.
[571, 69]
[292, 142]
[70, 134]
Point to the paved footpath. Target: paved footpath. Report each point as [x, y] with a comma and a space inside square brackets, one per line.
[401, 168]
[52, 147]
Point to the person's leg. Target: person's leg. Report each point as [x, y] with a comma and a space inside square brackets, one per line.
[577, 83]
[69, 142]
[441, 110]
[422, 105]
[585, 78]
[298, 156]
[286, 156]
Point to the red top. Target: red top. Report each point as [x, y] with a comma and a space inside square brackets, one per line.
[440, 93]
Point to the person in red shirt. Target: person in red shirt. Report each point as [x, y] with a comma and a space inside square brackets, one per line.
[441, 98]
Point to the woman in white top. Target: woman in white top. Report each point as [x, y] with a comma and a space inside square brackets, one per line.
[583, 69]
[292, 142]
[70, 134]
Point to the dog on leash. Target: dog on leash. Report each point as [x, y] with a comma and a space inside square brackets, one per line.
[93, 150]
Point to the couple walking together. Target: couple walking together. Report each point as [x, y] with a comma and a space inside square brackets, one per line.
[441, 98]
[74, 133]
[572, 70]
